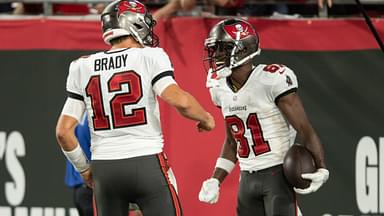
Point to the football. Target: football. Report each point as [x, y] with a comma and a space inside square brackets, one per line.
[297, 161]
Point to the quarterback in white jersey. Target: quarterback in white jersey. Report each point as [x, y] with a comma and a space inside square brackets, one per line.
[262, 113]
[119, 88]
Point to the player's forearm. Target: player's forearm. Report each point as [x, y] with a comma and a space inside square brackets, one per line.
[219, 174]
[223, 167]
[65, 133]
[227, 160]
[185, 103]
[66, 139]
[229, 148]
[190, 108]
[313, 144]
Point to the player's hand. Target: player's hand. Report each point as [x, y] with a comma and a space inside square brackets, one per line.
[210, 191]
[206, 125]
[318, 178]
[87, 177]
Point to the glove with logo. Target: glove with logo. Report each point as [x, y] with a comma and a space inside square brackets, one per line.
[318, 178]
[210, 191]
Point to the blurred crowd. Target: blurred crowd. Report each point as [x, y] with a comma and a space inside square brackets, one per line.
[163, 9]
[20, 8]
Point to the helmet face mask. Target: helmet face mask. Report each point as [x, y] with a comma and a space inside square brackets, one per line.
[231, 43]
[219, 55]
[128, 17]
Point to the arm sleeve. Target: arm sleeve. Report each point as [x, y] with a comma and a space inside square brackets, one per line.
[73, 81]
[162, 71]
[74, 108]
[284, 84]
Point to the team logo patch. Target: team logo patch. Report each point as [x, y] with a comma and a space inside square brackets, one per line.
[132, 6]
[288, 80]
[239, 28]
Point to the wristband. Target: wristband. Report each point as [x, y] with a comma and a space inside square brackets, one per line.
[77, 159]
[225, 164]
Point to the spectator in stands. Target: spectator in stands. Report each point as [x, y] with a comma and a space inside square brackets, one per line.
[27, 8]
[173, 6]
[321, 3]
[97, 8]
[20, 8]
[225, 7]
[242, 8]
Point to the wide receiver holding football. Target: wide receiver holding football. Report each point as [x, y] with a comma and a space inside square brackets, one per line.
[119, 90]
[262, 109]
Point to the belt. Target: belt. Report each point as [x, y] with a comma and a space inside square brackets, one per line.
[266, 170]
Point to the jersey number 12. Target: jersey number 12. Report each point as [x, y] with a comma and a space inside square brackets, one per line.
[118, 102]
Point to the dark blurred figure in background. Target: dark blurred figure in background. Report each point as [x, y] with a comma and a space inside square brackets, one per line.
[6, 8]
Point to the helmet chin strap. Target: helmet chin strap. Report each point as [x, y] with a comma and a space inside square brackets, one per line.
[227, 71]
[246, 59]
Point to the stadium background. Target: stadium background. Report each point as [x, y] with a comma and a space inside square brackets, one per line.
[340, 72]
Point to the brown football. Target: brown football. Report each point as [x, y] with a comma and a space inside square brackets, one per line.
[297, 161]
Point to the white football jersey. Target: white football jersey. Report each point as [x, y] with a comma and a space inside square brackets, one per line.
[119, 89]
[260, 130]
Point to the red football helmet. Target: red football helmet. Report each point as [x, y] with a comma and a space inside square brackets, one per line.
[231, 43]
[128, 17]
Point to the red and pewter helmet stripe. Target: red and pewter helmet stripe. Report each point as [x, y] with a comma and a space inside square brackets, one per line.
[244, 28]
[133, 6]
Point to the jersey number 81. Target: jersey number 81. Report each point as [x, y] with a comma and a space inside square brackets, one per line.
[259, 144]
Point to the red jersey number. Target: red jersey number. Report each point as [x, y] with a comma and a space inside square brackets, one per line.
[118, 102]
[272, 68]
[259, 144]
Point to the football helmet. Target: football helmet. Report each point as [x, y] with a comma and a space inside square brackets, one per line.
[128, 17]
[231, 43]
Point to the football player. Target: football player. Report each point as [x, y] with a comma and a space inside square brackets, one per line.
[262, 113]
[119, 90]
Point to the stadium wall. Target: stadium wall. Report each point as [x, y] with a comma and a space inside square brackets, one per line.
[340, 72]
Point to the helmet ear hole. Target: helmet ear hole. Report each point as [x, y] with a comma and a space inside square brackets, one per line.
[137, 26]
[229, 47]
